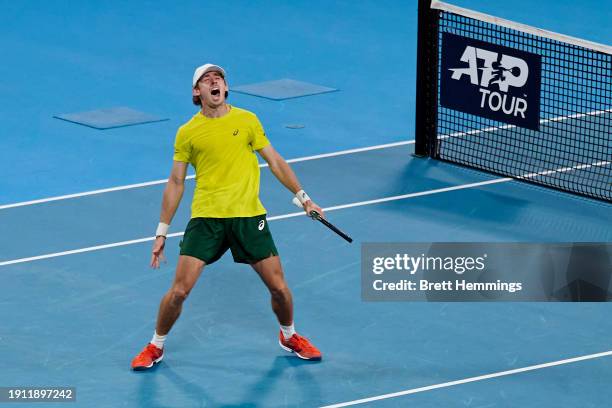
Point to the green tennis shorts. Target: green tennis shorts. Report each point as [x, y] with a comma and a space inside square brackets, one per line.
[248, 238]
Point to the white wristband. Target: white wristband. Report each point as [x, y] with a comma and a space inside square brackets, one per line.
[162, 230]
[302, 196]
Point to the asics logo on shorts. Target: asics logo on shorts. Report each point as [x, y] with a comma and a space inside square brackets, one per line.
[261, 225]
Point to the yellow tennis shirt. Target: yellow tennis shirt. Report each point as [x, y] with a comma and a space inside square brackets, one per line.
[222, 152]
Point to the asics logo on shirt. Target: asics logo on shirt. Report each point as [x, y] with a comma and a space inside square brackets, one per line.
[236, 132]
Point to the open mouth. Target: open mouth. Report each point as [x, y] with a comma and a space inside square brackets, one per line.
[215, 92]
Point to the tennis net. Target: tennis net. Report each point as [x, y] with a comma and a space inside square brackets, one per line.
[514, 100]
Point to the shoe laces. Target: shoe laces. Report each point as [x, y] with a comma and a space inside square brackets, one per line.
[152, 349]
[303, 343]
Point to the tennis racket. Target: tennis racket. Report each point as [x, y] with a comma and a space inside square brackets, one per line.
[316, 216]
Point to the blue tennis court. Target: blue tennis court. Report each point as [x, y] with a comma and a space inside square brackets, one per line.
[79, 205]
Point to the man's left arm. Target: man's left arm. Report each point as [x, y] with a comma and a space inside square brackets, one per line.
[283, 172]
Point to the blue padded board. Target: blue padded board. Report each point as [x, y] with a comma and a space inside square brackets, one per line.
[109, 118]
[282, 89]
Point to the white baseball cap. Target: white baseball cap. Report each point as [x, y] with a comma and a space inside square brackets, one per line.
[201, 70]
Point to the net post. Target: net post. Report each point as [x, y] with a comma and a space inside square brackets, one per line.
[426, 81]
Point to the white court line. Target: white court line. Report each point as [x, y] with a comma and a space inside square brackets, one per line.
[333, 208]
[163, 181]
[300, 159]
[469, 380]
[542, 122]
[273, 218]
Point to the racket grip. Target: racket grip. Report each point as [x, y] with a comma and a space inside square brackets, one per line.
[313, 214]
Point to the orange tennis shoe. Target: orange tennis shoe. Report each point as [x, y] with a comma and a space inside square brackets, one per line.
[300, 346]
[148, 357]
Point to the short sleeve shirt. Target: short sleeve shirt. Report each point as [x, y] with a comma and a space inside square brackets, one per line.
[222, 152]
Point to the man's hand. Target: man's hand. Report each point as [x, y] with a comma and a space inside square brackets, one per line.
[312, 206]
[157, 255]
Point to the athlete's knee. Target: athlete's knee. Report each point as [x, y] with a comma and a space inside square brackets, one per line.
[280, 294]
[178, 294]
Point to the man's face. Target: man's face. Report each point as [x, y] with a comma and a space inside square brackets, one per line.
[211, 89]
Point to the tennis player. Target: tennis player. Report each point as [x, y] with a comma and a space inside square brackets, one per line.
[220, 142]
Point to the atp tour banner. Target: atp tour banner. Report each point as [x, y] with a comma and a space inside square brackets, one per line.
[491, 81]
[460, 272]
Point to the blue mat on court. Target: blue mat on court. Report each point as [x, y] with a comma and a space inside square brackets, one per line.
[282, 89]
[109, 118]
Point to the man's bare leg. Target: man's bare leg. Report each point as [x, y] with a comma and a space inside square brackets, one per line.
[271, 273]
[188, 271]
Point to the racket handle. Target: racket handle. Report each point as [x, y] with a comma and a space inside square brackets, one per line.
[316, 216]
[313, 214]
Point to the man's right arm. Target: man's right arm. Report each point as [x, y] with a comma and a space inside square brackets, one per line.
[173, 191]
[170, 202]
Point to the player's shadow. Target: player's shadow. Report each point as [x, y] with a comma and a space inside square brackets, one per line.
[257, 393]
[255, 396]
[150, 386]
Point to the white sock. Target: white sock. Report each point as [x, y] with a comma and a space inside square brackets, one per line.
[158, 341]
[288, 331]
